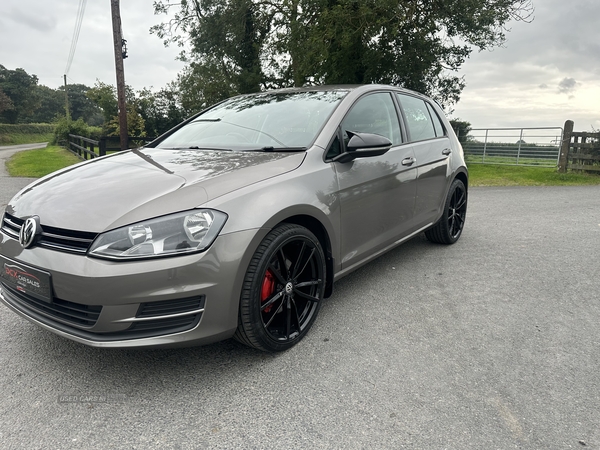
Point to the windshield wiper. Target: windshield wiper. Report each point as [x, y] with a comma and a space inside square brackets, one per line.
[196, 147]
[216, 119]
[283, 149]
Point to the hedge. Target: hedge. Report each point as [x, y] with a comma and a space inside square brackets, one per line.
[26, 128]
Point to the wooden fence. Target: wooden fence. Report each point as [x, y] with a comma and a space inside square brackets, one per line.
[89, 148]
[580, 150]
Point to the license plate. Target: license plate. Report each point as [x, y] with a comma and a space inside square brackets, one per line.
[26, 279]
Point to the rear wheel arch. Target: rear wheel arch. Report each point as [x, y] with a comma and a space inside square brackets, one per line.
[448, 229]
[462, 176]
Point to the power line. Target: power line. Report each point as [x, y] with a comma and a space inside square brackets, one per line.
[78, 22]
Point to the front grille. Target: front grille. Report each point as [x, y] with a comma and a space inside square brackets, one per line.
[11, 226]
[60, 310]
[59, 239]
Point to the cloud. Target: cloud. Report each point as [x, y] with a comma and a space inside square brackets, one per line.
[42, 22]
[36, 36]
[567, 85]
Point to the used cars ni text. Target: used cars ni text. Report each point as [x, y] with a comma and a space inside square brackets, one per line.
[237, 222]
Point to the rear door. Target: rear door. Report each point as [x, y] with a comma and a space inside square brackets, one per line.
[432, 149]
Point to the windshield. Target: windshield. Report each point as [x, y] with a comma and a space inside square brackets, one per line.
[271, 120]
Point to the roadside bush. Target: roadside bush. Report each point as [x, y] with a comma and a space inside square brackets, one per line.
[63, 128]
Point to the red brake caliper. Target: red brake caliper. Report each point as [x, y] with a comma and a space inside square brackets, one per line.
[268, 288]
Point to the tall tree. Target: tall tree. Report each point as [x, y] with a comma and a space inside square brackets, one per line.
[418, 44]
[52, 104]
[5, 102]
[20, 88]
[105, 97]
[160, 110]
[80, 104]
[226, 39]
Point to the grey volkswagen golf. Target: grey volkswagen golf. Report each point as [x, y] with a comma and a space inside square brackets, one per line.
[236, 223]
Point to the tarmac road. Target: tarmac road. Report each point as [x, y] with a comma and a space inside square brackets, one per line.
[492, 343]
[9, 186]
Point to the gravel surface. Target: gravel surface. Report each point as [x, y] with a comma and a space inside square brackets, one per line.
[492, 343]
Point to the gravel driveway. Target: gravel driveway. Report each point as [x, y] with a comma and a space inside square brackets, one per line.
[492, 343]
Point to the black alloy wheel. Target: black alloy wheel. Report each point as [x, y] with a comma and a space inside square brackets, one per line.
[449, 228]
[283, 289]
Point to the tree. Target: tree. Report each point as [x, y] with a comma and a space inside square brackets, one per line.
[20, 88]
[6, 103]
[52, 104]
[105, 97]
[462, 128]
[80, 104]
[418, 44]
[160, 110]
[227, 37]
[135, 124]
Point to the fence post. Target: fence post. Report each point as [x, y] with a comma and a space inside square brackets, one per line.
[484, 146]
[519, 149]
[563, 161]
[102, 146]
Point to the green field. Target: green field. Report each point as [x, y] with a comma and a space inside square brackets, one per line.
[504, 175]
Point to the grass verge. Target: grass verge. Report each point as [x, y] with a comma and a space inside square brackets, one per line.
[39, 162]
[498, 175]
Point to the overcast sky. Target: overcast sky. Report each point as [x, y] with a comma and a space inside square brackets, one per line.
[547, 72]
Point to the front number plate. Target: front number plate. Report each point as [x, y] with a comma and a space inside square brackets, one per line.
[26, 279]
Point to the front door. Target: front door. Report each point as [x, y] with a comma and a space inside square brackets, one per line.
[377, 194]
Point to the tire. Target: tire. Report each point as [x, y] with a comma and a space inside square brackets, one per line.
[283, 289]
[448, 229]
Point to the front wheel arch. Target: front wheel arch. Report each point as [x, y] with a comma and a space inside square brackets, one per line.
[282, 290]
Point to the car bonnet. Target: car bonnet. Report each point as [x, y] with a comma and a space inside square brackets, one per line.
[140, 184]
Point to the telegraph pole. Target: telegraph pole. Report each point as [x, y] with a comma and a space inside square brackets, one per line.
[67, 101]
[118, 43]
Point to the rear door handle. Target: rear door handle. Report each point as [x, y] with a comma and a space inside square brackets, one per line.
[408, 161]
[446, 151]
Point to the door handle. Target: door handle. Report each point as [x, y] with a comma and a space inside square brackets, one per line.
[446, 151]
[408, 161]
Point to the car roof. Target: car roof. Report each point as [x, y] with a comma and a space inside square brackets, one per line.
[338, 87]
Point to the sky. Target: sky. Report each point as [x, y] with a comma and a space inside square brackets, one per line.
[547, 72]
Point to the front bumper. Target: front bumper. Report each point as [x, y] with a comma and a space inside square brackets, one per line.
[176, 301]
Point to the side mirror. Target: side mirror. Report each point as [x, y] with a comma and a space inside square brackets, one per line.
[363, 145]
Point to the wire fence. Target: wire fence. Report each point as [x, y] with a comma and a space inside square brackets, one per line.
[513, 146]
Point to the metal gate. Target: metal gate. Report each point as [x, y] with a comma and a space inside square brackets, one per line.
[513, 146]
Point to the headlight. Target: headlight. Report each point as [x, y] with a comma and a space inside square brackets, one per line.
[176, 234]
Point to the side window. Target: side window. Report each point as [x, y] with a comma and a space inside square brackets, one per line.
[418, 119]
[374, 114]
[437, 123]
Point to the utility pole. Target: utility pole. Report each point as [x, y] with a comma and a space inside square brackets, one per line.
[118, 43]
[67, 101]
